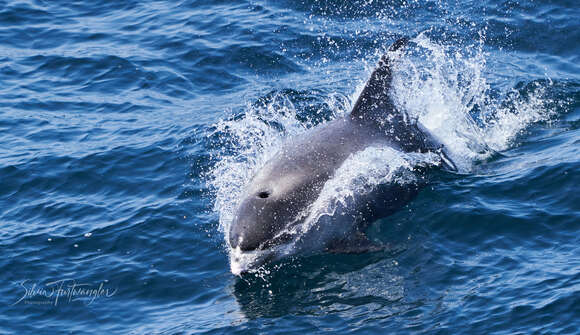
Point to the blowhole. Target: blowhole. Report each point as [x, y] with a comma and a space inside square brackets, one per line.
[263, 194]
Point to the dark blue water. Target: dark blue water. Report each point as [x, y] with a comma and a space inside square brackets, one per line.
[126, 129]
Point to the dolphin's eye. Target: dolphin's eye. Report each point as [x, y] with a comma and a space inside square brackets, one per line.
[263, 194]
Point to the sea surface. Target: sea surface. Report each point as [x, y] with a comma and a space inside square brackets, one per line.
[128, 130]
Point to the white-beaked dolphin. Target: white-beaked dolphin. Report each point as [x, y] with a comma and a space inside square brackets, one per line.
[281, 192]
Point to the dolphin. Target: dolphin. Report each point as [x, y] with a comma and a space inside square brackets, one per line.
[280, 194]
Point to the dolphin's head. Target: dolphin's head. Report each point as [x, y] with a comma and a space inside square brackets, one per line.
[260, 220]
[276, 199]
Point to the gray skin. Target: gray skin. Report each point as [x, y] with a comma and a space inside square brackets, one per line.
[284, 188]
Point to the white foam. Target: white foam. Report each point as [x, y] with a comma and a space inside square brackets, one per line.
[441, 90]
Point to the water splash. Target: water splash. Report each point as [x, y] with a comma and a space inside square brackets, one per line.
[359, 175]
[445, 90]
[441, 87]
[244, 145]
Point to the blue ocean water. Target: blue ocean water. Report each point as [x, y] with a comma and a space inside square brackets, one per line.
[127, 130]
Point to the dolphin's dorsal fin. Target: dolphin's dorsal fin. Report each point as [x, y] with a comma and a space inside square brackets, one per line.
[375, 97]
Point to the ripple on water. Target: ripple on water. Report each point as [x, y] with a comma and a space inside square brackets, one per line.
[114, 115]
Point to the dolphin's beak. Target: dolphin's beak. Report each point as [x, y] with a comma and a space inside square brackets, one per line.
[247, 262]
[244, 243]
[245, 234]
